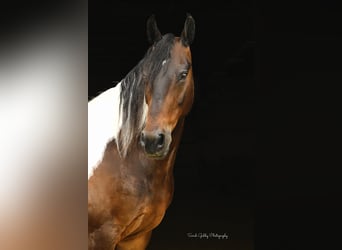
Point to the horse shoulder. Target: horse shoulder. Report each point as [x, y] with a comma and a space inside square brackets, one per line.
[103, 124]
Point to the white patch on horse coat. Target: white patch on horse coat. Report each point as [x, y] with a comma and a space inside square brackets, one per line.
[163, 62]
[104, 122]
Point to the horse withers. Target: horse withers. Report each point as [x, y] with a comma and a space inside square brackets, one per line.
[134, 131]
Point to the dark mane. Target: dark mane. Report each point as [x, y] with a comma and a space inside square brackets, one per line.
[132, 96]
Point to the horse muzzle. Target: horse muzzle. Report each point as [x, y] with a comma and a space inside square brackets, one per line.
[155, 143]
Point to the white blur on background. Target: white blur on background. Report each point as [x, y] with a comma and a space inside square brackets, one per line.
[43, 132]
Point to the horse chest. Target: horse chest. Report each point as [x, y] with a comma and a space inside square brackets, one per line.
[151, 210]
[135, 204]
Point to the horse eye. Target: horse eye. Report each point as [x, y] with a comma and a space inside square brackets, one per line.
[183, 75]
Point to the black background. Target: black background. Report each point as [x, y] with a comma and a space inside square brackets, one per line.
[258, 155]
[215, 166]
[298, 186]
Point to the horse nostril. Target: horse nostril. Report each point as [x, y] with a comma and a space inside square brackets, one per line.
[160, 140]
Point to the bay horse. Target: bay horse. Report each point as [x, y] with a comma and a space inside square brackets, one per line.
[134, 131]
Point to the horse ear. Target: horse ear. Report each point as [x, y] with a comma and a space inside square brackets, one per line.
[188, 33]
[153, 33]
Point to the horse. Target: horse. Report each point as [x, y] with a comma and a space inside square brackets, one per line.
[134, 131]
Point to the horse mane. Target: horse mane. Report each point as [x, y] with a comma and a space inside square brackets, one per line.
[132, 96]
